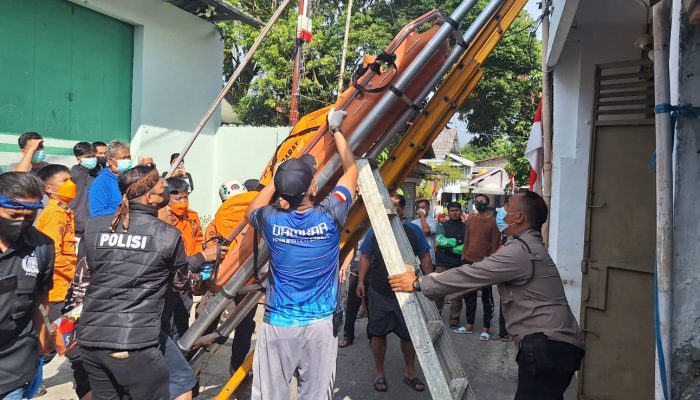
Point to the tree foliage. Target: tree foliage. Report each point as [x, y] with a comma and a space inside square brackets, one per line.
[502, 105]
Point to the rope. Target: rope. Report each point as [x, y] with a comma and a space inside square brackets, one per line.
[686, 110]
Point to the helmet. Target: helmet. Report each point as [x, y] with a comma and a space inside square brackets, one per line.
[231, 188]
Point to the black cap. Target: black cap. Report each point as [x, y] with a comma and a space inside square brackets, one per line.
[294, 176]
[251, 184]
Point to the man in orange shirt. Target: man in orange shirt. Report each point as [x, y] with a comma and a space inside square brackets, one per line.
[235, 198]
[176, 313]
[56, 222]
[178, 214]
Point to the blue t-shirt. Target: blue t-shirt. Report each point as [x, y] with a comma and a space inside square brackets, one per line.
[104, 196]
[304, 259]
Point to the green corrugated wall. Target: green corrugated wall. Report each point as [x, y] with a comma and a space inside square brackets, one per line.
[65, 71]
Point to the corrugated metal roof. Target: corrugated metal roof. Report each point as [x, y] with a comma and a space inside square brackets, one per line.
[216, 11]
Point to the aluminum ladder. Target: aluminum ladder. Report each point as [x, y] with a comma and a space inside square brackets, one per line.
[443, 371]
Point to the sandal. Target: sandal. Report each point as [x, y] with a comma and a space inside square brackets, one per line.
[507, 338]
[485, 336]
[415, 383]
[380, 385]
[461, 330]
[345, 342]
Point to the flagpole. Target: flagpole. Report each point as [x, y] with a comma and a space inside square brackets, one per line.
[546, 120]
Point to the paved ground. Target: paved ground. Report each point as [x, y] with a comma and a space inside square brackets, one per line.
[490, 367]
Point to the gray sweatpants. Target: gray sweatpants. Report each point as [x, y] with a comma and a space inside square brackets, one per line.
[307, 352]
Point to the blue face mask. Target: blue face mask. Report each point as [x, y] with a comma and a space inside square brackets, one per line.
[123, 165]
[501, 219]
[89, 163]
[38, 156]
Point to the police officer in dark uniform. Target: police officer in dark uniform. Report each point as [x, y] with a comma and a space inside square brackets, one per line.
[132, 257]
[26, 276]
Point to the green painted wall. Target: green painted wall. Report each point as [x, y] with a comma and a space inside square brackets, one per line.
[65, 71]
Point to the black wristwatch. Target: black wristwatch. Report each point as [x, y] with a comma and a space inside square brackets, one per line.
[416, 285]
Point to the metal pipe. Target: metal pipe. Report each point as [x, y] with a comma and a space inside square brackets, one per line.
[345, 48]
[229, 85]
[546, 121]
[664, 204]
[242, 309]
[389, 98]
[216, 305]
[452, 58]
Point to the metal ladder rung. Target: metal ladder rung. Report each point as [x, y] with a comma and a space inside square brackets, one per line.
[435, 328]
[443, 371]
[458, 386]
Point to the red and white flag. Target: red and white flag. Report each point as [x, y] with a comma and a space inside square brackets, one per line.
[533, 151]
[304, 21]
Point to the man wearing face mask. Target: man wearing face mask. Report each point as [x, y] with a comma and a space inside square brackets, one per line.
[100, 152]
[57, 223]
[31, 146]
[481, 239]
[104, 195]
[178, 214]
[534, 303]
[26, 268]
[83, 174]
[132, 257]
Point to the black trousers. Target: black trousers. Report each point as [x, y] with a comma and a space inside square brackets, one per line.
[351, 309]
[486, 300]
[545, 368]
[133, 375]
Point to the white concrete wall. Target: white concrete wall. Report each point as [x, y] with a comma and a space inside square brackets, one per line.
[241, 153]
[574, 86]
[685, 333]
[177, 74]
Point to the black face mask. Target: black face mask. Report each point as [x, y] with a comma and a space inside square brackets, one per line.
[166, 200]
[102, 161]
[12, 230]
[481, 207]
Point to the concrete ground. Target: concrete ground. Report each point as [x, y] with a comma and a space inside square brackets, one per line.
[490, 367]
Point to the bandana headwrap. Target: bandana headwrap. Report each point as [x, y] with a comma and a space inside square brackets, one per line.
[9, 202]
[133, 191]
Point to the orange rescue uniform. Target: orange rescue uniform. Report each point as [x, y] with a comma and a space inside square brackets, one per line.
[229, 215]
[189, 227]
[57, 222]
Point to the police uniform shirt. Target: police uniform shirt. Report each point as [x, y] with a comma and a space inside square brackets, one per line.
[532, 294]
[26, 270]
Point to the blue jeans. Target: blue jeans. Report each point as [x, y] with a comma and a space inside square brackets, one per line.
[16, 394]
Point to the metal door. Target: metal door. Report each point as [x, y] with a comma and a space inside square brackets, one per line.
[617, 298]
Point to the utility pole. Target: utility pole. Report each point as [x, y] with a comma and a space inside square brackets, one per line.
[303, 36]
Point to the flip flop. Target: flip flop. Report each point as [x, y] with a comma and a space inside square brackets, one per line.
[462, 330]
[413, 383]
[380, 385]
[345, 343]
[485, 336]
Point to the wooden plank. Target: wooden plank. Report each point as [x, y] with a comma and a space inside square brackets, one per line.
[623, 111]
[622, 64]
[609, 103]
[633, 85]
[636, 93]
[615, 77]
[624, 122]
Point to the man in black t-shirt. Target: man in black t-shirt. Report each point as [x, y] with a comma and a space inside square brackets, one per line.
[26, 276]
[384, 312]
